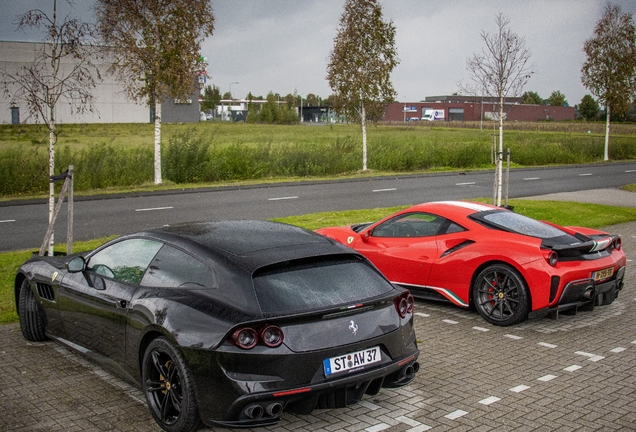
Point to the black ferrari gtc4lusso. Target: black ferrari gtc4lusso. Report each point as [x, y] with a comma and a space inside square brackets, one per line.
[228, 323]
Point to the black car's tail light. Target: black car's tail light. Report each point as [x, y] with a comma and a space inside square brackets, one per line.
[618, 243]
[404, 304]
[272, 336]
[248, 337]
[245, 338]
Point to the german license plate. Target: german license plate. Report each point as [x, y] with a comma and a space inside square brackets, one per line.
[352, 362]
[602, 274]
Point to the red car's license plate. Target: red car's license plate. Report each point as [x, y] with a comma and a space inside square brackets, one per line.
[352, 361]
[602, 274]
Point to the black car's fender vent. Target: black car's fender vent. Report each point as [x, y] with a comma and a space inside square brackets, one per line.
[45, 291]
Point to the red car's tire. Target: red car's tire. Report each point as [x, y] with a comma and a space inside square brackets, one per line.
[32, 316]
[168, 388]
[500, 295]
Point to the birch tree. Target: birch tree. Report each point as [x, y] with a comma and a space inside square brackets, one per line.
[609, 72]
[156, 47]
[501, 70]
[63, 71]
[360, 65]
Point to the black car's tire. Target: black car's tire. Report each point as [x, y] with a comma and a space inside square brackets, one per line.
[500, 295]
[168, 388]
[32, 316]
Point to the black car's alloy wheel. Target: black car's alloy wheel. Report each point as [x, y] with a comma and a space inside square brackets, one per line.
[168, 388]
[501, 296]
[32, 317]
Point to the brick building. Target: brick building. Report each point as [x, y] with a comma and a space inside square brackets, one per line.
[472, 108]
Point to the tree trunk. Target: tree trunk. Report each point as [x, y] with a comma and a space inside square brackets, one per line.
[51, 174]
[157, 141]
[500, 152]
[363, 116]
[607, 133]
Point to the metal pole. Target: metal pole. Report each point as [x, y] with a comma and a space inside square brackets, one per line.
[69, 226]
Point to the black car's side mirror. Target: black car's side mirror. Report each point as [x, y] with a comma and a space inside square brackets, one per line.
[76, 265]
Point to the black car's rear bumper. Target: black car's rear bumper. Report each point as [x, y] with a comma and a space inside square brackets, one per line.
[335, 393]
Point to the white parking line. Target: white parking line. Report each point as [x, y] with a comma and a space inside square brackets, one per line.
[152, 209]
[464, 184]
[630, 171]
[481, 329]
[572, 368]
[422, 314]
[8, 220]
[515, 337]
[378, 427]
[384, 190]
[547, 345]
[618, 349]
[489, 400]
[519, 388]
[456, 414]
[547, 378]
[282, 198]
[591, 357]
[586, 174]
[447, 321]
[532, 178]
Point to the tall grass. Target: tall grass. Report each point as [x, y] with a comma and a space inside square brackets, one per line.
[121, 156]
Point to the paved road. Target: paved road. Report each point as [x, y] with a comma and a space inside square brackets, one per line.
[577, 373]
[23, 225]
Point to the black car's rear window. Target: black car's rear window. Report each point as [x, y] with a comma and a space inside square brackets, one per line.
[517, 223]
[305, 286]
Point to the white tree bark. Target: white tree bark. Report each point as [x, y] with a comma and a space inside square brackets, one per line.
[607, 134]
[51, 173]
[500, 151]
[157, 141]
[363, 116]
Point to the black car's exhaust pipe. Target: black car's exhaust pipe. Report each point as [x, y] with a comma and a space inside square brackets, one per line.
[274, 409]
[254, 411]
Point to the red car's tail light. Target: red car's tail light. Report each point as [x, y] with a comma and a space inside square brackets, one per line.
[552, 258]
[272, 336]
[404, 304]
[618, 243]
[245, 338]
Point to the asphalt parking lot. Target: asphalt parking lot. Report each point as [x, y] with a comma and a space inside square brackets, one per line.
[576, 373]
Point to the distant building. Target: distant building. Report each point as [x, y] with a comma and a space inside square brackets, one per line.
[111, 102]
[474, 108]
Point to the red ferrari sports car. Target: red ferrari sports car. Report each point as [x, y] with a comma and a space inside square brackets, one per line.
[502, 263]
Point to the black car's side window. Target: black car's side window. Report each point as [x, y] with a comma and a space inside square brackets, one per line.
[125, 261]
[173, 268]
[410, 225]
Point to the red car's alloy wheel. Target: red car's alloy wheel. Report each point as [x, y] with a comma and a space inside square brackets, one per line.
[501, 296]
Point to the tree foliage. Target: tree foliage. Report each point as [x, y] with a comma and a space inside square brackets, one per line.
[272, 112]
[609, 71]
[501, 70]
[557, 99]
[531, 98]
[63, 71]
[589, 108]
[156, 47]
[360, 65]
[211, 98]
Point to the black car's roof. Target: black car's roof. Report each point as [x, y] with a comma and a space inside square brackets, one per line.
[251, 243]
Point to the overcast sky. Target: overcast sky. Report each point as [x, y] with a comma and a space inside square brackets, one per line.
[283, 46]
